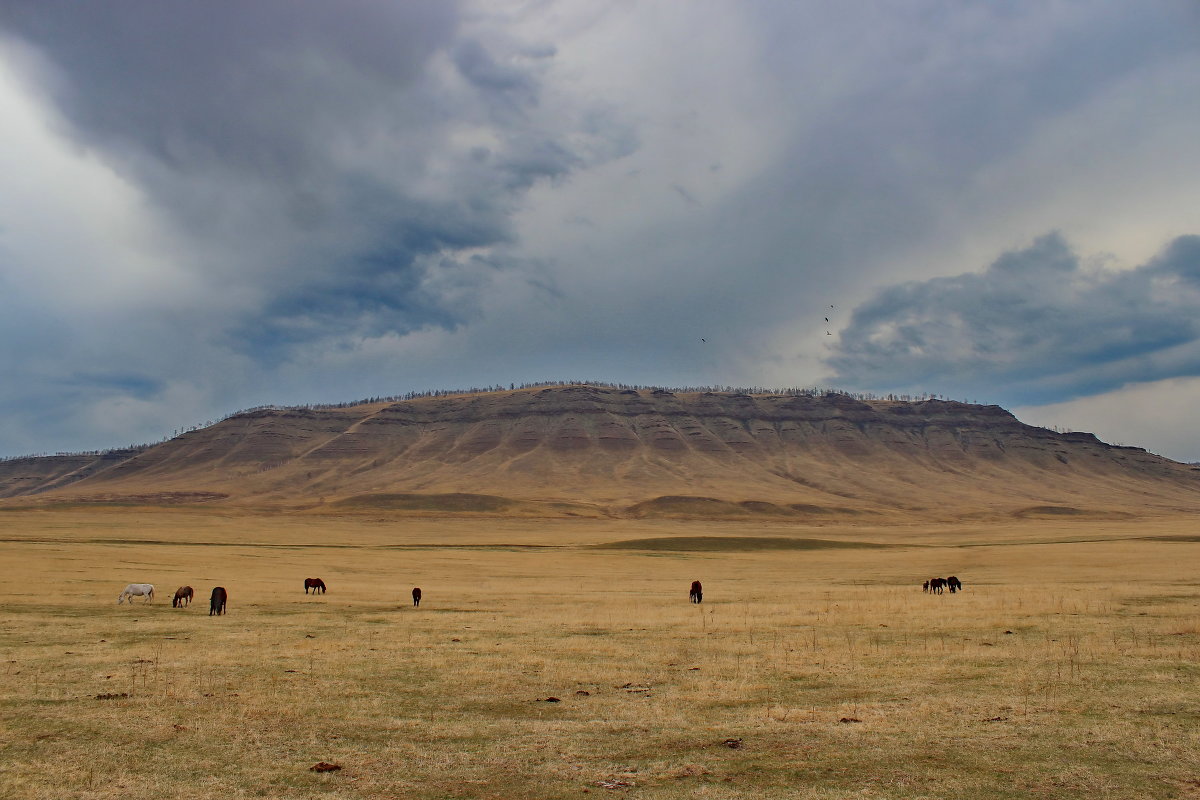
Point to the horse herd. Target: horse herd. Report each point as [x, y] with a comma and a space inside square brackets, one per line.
[939, 585]
[216, 604]
[183, 596]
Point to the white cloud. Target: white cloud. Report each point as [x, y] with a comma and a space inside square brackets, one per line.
[76, 237]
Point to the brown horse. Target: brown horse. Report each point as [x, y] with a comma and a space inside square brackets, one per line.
[216, 605]
[183, 597]
[416, 595]
[937, 585]
[316, 584]
[953, 584]
[696, 593]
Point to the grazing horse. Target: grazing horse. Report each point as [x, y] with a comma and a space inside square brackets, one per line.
[416, 595]
[316, 584]
[133, 590]
[183, 597]
[216, 605]
[696, 593]
[954, 584]
[937, 585]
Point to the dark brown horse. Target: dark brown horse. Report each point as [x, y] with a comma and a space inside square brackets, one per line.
[216, 605]
[183, 597]
[316, 584]
[953, 584]
[937, 585]
[696, 593]
[416, 595]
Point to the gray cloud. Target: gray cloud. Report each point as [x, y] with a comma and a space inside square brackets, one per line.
[307, 154]
[1036, 326]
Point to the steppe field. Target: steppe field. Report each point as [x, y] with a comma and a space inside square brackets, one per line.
[545, 662]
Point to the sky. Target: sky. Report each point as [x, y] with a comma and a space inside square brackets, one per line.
[212, 206]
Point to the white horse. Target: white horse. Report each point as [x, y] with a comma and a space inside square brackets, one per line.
[136, 590]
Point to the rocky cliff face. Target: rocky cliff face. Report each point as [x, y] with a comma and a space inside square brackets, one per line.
[642, 451]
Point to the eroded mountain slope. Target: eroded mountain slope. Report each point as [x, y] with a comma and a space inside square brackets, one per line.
[626, 451]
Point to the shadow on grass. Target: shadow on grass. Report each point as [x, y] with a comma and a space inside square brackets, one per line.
[715, 544]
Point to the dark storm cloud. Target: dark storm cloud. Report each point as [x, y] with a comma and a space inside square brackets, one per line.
[310, 155]
[1035, 327]
[227, 85]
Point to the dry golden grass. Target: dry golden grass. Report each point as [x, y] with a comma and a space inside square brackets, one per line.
[1068, 668]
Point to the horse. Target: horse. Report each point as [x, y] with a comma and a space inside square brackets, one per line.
[136, 590]
[216, 605]
[183, 596]
[316, 584]
[416, 595]
[925, 587]
[954, 584]
[696, 593]
[937, 585]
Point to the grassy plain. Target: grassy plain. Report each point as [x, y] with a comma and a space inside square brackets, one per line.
[1069, 667]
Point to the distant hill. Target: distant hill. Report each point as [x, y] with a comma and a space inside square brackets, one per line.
[591, 450]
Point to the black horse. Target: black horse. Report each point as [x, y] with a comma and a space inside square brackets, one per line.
[316, 584]
[216, 605]
[937, 585]
[953, 584]
[416, 596]
[696, 593]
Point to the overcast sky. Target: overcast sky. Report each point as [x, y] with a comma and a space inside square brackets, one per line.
[207, 206]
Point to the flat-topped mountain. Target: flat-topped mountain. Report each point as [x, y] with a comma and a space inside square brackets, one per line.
[598, 450]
